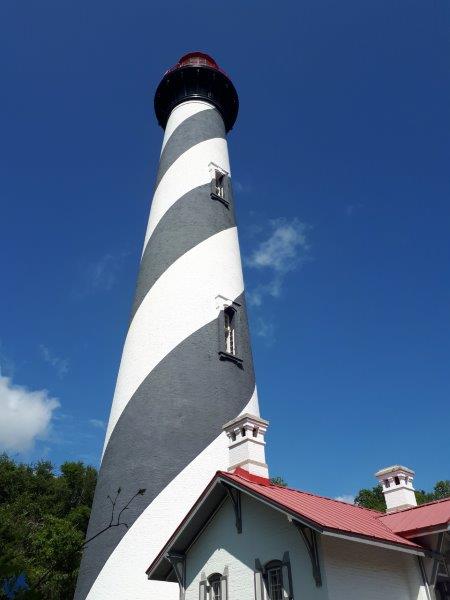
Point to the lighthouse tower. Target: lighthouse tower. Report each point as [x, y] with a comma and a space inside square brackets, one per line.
[186, 366]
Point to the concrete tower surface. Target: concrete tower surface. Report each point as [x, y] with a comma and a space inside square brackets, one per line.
[187, 365]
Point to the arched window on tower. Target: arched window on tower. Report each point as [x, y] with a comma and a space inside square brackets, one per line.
[230, 335]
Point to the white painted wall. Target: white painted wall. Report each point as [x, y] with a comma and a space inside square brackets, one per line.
[356, 571]
[266, 535]
[350, 570]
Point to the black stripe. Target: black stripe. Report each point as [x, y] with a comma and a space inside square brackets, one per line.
[205, 125]
[174, 415]
[192, 219]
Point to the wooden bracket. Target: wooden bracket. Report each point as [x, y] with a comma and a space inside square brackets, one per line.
[309, 537]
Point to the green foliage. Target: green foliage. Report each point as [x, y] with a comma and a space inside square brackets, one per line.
[278, 481]
[43, 521]
[374, 498]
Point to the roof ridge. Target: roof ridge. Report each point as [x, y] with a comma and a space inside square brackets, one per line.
[403, 510]
[281, 487]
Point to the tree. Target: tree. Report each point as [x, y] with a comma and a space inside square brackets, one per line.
[278, 481]
[374, 498]
[43, 522]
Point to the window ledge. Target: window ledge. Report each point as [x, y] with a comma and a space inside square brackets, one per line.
[224, 201]
[227, 356]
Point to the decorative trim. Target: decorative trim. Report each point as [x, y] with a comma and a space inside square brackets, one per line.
[178, 562]
[227, 356]
[235, 497]
[309, 536]
[213, 167]
[224, 201]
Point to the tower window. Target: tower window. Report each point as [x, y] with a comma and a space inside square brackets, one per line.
[386, 483]
[219, 184]
[230, 341]
[229, 324]
[396, 480]
[219, 181]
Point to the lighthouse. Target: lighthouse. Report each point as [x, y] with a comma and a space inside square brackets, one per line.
[186, 366]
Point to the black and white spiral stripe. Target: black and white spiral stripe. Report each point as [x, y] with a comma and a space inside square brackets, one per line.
[173, 394]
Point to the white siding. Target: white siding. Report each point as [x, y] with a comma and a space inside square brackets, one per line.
[358, 571]
[266, 535]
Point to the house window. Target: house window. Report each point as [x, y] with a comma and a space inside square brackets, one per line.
[230, 342]
[275, 581]
[215, 587]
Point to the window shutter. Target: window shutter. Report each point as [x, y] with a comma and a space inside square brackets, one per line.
[288, 592]
[286, 585]
[223, 588]
[259, 586]
[226, 190]
[203, 590]
[213, 184]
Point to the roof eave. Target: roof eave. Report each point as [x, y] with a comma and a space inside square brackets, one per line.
[221, 477]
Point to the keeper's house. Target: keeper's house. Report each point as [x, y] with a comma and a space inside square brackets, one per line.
[246, 538]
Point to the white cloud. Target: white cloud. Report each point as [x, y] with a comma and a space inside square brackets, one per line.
[348, 498]
[280, 251]
[100, 275]
[285, 249]
[25, 416]
[61, 365]
[103, 274]
[97, 423]
[265, 330]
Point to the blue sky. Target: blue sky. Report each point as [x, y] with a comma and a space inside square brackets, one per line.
[340, 162]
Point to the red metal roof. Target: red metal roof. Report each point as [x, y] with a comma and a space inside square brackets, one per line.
[421, 518]
[196, 59]
[327, 513]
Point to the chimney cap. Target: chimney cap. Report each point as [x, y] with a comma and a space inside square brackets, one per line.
[394, 469]
[246, 417]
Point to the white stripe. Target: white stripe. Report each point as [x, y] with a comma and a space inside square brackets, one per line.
[182, 112]
[190, 170]
[180, 302]
[123, 575]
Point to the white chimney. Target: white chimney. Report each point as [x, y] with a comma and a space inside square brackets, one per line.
[397, 484]
[247, 445]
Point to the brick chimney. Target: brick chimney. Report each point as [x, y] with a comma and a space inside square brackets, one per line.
[397, 484]
[246, 444]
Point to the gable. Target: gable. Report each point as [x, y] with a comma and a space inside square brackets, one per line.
[266, 535]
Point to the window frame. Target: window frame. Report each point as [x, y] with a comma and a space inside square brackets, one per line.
[261, 574]
[274, 566]
[215, 578]
[222, 193]
[226, 306]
